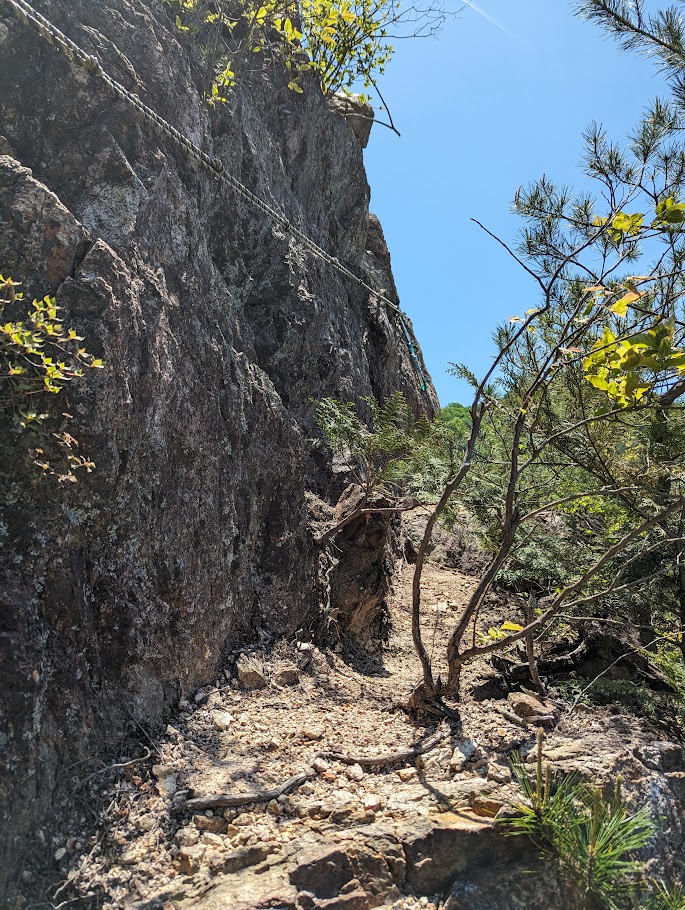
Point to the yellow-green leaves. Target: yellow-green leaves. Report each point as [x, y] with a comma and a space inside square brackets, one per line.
[669, 213]
[342, 41]
[622, 226]
[620, 308]
[38, 356]
[511, 627]
[628, 368]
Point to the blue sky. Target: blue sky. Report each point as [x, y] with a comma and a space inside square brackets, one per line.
[482, 110]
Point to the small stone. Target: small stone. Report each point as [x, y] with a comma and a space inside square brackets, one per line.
[199, 696]
[245, 819]
[285, 802]
[187, 837]
[373, 802]
[145, 822]
[210, 839]
[565, 752]
[486, 806]
[273, 808]
[215, 825]
[250, 672]
[312, 733]
[305, 647]
[136, 853]
[167, 785]
[355, 772]
[463, 754]
[407, 774]
[499, 774]
[222, 720]
[188, 860]
[60, 854]
[525, 705]
[320, 766]
[215, 699]
[288, 676]
[161, 771]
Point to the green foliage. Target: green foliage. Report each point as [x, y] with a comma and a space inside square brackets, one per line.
[458, 418]
[343, 42]
[384, 452]
[392, 453]
[663, 898]
[595, 839]
[38, 356]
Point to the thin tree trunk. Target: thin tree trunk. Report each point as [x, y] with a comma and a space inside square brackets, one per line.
[530, 645]
[680, 575]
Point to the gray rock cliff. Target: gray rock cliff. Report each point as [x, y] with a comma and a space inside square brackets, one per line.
[192, 535]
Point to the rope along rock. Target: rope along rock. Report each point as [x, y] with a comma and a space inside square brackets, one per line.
[50, 33]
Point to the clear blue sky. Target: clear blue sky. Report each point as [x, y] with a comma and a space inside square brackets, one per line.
[481, 111]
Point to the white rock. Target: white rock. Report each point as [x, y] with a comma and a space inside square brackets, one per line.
[373, 802]
[463, 754]
[222, 720]
[320, 766]
[60, 854]
[355, 772]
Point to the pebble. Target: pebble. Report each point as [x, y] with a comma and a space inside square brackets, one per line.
[373, 802]
[288, 676]
[355, 772]
[499, 774]
[463, 754]
[222, 720]
[250, 672]
[407, 774]
[320, 766]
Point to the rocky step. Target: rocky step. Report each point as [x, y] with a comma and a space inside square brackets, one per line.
[362, 868]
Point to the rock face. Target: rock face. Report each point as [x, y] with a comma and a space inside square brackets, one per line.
[123, 592]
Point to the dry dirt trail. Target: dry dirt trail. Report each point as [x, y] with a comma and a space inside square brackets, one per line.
[416, 833]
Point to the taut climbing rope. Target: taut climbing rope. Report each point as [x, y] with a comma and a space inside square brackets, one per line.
[29, 16]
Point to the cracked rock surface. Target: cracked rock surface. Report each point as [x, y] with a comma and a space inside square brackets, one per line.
[192, 535]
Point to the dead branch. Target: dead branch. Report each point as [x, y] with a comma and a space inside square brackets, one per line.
[229, 801]
[125, 764]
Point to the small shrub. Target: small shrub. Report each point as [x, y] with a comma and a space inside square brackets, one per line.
[38, 356]
[595, 839]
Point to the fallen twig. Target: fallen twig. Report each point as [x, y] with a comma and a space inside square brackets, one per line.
[125, 764]
[374, 761]
[229, 801]
[534, 720]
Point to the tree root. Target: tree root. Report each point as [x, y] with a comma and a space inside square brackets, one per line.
[228, 801]
[422, 702]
